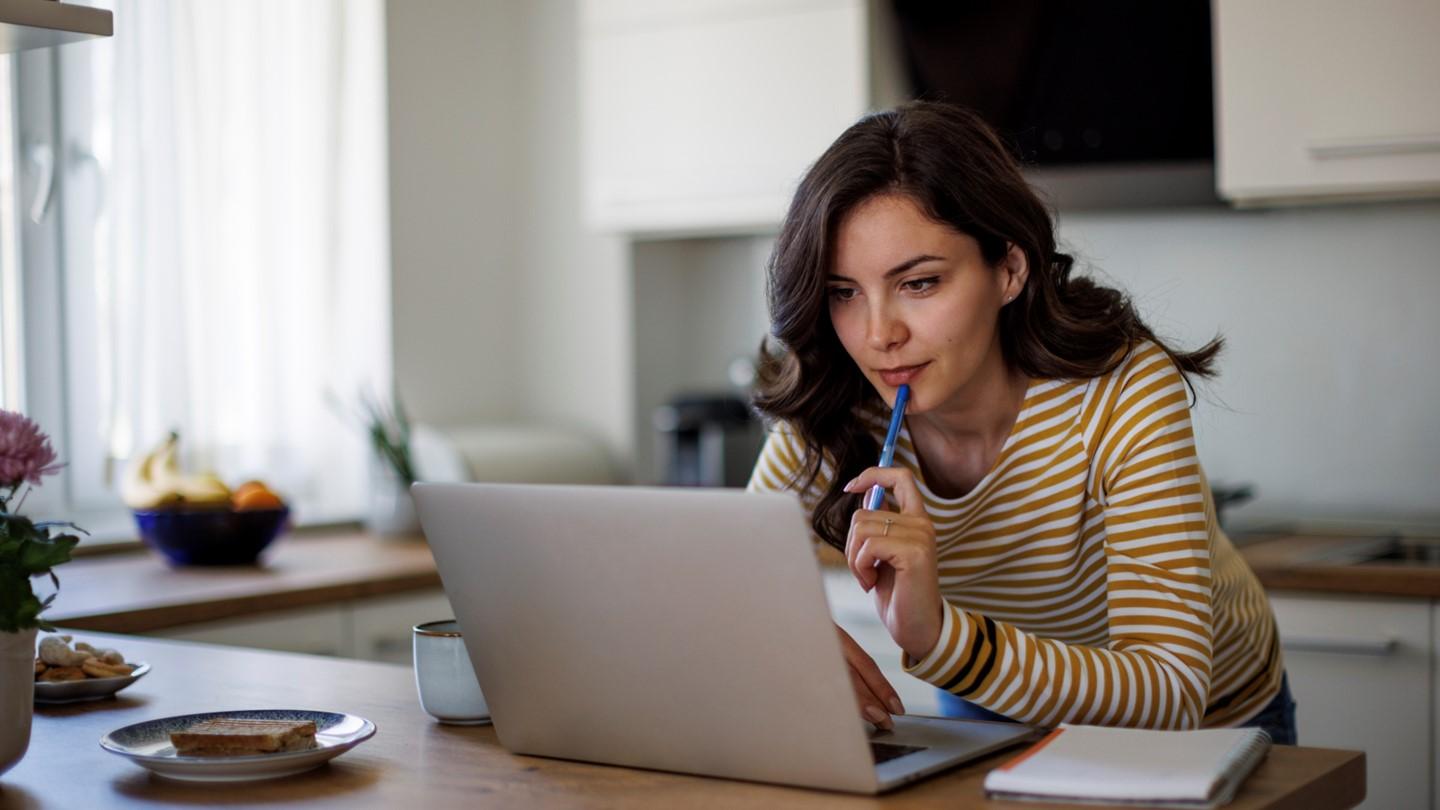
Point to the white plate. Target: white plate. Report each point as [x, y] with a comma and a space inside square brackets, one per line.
[148, 744]
[88, 689]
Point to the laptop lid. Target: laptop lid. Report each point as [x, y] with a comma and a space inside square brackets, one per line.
[674, 629]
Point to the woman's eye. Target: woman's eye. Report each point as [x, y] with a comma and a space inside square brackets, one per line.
[921, 284]
[841, 293]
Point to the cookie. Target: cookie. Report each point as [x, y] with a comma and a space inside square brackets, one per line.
[39, 667]
[59, 674]
[96, 668]
[55, 652]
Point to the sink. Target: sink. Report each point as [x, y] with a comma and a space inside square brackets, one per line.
[1404, 551]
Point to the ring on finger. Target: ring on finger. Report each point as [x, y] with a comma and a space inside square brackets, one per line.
[886, 533]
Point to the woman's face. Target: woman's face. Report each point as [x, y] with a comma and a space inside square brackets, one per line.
[913, 301]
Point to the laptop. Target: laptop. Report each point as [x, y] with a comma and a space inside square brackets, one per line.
[671, 629]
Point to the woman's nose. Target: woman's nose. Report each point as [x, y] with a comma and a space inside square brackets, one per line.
[884, 331]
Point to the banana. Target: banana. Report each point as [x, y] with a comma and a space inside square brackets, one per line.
[139, 489]
[205, 489]
[156, 481]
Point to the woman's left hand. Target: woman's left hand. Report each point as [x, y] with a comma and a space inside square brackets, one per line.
[893, 554]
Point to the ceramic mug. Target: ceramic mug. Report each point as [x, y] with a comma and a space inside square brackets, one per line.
[449, 691]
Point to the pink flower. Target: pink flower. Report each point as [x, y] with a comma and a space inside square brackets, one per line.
[25, 452]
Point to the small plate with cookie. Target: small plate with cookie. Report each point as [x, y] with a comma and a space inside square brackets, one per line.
[238, 746]
[70, 674]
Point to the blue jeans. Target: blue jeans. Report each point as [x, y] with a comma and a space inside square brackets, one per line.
[1277, 718]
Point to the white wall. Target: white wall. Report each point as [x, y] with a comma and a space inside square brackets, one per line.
[1327, 391]
[576, 325]
[505, 309]
[456, 167]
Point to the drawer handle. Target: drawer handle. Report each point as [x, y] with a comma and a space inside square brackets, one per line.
[1372, 147]
[1340, 646]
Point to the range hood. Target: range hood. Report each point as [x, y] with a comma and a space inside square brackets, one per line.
[26, 24]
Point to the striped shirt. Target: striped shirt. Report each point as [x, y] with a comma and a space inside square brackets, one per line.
[1086, 578]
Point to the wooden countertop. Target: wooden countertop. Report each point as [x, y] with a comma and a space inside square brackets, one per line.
[139, 592]
[1297, 563]
[414, 762]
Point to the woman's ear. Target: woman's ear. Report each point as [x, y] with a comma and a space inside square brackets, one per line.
[1014, 270]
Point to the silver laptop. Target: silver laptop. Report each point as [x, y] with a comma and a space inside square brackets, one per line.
[672, 629]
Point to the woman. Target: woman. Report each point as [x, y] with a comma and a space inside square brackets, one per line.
[1051, 552]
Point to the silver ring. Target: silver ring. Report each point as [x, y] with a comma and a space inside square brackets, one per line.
[886, 533]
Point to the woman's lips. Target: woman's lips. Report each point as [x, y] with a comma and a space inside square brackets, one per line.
[896, 377]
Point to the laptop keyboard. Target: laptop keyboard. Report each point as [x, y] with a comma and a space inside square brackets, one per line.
[884, 752]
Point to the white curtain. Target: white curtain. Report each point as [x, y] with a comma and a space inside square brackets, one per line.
[241, 244]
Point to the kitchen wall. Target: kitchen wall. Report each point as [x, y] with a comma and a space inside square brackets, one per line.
[1327, 393]
[508, 310]
[505, 309]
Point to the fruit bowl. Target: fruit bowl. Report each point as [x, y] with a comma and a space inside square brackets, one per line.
[210, 536]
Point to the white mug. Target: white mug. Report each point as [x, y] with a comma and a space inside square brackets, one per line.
[449, 691]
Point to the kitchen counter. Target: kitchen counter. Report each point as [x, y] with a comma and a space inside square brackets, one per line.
[414, 762]
[139, 593]
[1319, 563]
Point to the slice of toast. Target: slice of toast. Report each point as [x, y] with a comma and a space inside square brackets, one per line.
[236, 737]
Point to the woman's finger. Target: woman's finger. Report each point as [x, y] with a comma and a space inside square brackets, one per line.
[869, 673]
[870, 706]
[903, 531]
[900, 553]
[899, 481]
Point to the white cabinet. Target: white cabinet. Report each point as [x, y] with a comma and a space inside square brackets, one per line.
[701, 116]
[382, 626]
[373, 629]
[1327, 99]
[323, 630]
[1361, 673]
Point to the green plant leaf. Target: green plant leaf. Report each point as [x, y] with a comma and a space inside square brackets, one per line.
[19, 608]
[39, 554]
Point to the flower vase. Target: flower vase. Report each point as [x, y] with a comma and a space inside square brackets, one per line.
[17, 695]
[392, 510]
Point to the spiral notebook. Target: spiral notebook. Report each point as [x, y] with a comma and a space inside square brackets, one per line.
[1143, 768]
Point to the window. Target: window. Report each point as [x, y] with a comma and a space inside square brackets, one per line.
[213, 257]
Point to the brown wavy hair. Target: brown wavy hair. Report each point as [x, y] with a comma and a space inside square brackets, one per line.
[957, 170]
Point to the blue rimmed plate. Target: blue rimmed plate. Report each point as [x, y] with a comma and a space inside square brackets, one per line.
[88, 689]
[148, 745]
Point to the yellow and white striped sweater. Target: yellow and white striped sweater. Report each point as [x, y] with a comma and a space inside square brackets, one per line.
[1086, 577]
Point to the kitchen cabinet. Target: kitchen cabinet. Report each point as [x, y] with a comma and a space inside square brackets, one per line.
[381, 627]
[373, 629]
[701, 116]
[1362, 675]
[323, 630]
[1326, 99]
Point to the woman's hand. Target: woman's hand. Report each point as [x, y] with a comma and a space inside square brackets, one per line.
[877, 698]
[893, 555]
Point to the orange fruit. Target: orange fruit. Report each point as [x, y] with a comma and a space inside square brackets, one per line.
[249, 485]
[255, 495]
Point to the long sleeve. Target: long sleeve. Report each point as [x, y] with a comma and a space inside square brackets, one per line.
[1144, 504]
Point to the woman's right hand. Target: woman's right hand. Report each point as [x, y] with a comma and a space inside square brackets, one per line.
[877, 698]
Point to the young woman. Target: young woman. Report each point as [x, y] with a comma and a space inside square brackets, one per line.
[1050, 551]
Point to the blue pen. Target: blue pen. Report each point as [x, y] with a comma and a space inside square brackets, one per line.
[887, 452]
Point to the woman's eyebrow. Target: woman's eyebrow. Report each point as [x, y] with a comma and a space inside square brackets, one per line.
[897, 269]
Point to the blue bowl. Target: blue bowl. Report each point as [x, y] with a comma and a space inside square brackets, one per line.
[211, 537]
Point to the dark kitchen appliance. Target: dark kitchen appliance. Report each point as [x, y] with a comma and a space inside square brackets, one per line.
[706, 440]
[1070, 82]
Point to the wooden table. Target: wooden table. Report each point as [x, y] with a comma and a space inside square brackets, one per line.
[413, 762]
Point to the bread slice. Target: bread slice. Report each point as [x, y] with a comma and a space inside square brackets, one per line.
[235, 737]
